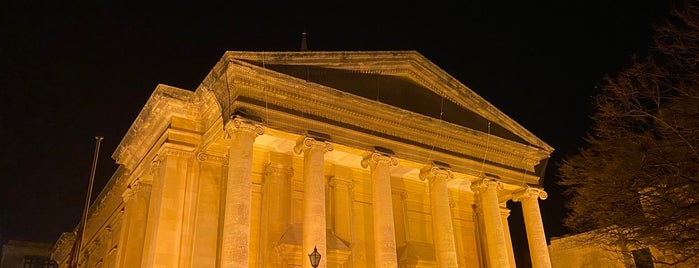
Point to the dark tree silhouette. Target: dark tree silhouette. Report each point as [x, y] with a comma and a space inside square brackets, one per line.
[636, 183]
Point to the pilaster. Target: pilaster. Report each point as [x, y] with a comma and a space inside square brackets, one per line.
[164, 232]
[276, 210]
[133, 229]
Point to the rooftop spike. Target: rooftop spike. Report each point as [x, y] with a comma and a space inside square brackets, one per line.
[304, 44]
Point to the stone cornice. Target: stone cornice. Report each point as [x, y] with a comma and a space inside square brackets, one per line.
[154, 118]
[287, 94]
[408, 63]
[283, 103]
[63, 246]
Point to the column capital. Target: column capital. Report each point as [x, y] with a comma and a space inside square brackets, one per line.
[272, 169]
[134, 188]
[306, 142]
[529, 192]
[376, 158]
[485, 183]
[431, 172]
[238, 124]
[205, 157]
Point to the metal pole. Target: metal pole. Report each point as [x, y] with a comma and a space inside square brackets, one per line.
[83, 222]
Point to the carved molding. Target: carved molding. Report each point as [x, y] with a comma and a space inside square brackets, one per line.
[529, 192]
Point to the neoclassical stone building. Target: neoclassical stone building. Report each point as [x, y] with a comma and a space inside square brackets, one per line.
[377, 159]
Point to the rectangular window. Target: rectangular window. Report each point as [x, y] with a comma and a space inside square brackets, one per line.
[642, 258]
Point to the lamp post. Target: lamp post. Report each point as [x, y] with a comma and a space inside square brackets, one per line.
[315, 257]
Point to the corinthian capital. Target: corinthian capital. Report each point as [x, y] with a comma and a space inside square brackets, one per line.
[307, 143]
[529, 192]
[431, 172]
[378, 158]
[238, 124]
[485, 183]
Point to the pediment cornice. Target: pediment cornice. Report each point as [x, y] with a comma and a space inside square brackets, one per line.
[409, 64]
[264, 90]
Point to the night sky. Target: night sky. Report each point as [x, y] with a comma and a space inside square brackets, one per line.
[73, 71]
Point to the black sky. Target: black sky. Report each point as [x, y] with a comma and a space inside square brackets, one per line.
[72, 71]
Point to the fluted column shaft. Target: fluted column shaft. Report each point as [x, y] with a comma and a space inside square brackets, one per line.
[494, 231]
[314, 225]
[382, 208]
[442, 225]
[534, 226]
[133, 232]
[235, 244]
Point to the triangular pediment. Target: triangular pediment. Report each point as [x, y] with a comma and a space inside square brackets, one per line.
[403, 79]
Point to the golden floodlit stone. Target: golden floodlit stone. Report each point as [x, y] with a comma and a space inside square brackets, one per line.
[375, 158]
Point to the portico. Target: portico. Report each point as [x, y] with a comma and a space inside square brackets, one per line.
[278, 153]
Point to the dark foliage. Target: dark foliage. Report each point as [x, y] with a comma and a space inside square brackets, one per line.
[637, 182]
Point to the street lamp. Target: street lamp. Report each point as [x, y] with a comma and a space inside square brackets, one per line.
[315, 257]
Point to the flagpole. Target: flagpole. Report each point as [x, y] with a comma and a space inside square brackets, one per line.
[83, 222]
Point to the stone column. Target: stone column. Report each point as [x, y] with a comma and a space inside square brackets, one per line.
[536, 237]
[486, 189]
[384, 230]
[442, 225]
[314, 225]
[505, 213]
[133, 228]
[235, 243]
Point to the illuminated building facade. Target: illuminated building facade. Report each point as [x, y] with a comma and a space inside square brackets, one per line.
[377, 159]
